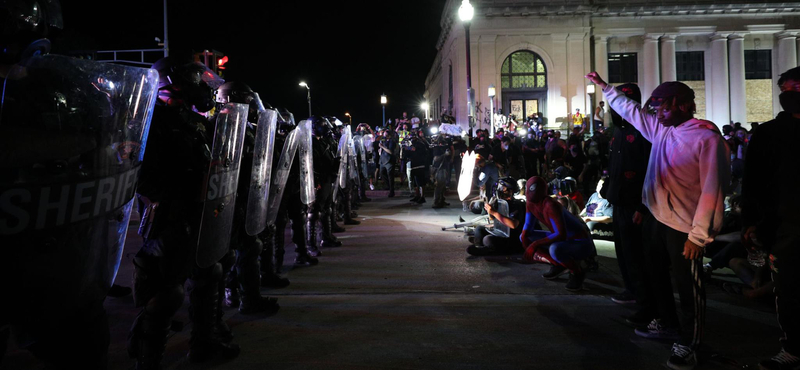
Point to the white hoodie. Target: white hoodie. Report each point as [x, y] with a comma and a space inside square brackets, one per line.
[688, 170]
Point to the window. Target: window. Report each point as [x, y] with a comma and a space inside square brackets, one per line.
[690, 66]
[623, 68]
[757, 64]
[523, 70]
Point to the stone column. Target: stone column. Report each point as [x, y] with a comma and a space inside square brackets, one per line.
[650, 77]
[601, 67]
[737, 84]
[668, 71]
[719, 102]
[787, 51]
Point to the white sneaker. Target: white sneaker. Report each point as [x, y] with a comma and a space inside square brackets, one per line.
[683, 358]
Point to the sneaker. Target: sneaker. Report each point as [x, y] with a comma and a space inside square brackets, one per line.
[626, 298]
[314, 251]
[683, 358]
[575, 283]
[554, 272]
[641, 319]
[782, 361]
[480, 251]
[414, 199]
[655, 330]
[371, 187]
[328, 244]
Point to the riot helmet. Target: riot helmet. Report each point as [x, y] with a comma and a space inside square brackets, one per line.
[568, 186]
[26, 26]
[320, 126]
[507, 187]
[285, 121]
[192, 82]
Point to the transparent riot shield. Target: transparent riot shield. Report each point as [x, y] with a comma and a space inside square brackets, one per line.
[278, 185]
[465, 179]
[501, 229]
[361, 151]
[351, 158]
[307, 187]
[73, 136]
[341, 177]
[221, 182]
[258, 199]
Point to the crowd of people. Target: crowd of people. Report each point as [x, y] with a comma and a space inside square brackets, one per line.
[217, 175]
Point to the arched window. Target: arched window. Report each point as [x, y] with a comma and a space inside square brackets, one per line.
[523, 70]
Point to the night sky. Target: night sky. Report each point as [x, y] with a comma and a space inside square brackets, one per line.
[349, 52]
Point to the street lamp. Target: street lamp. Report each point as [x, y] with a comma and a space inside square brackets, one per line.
[590, 90]
[425, 107]
[303, 84]
[383, 105]
[465, 13]
[351, 118]
[492, 93]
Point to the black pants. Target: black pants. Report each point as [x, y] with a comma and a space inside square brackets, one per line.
[387, 173]
[786, 274]
[499, 244]
[663, 252]
[628, 245]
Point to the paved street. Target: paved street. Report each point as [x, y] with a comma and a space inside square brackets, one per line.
[402, 294]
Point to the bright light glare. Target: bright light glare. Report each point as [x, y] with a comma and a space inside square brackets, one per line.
[434, 130]
[383, 99]
[424, 106]
[466, 11]
[303, 84]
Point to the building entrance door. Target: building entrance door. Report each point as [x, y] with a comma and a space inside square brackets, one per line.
[524, 108]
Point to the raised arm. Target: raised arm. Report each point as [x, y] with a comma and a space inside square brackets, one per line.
[629, 109]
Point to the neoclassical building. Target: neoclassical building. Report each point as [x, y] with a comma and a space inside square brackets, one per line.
[536, 53]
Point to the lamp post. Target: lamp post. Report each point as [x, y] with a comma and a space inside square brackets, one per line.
[303, 84]
[492, 93]
[383, 105]
[351, 118]
[465, 13]
[425, 107]
[590, 90]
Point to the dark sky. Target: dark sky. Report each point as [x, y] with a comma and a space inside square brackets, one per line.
[349, 52]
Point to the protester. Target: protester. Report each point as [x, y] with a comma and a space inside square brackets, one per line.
[684, 189]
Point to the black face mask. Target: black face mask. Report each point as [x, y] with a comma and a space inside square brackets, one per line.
[790, 101]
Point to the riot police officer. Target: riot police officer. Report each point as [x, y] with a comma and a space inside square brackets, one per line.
[246, 248]
[72, 150]
[172, 187]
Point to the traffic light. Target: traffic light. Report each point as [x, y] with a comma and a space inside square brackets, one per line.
[213, 59]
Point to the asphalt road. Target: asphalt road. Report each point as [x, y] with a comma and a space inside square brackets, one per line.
[402, 294]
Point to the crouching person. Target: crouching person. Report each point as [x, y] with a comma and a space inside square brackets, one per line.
[504, 238]
[565, 246]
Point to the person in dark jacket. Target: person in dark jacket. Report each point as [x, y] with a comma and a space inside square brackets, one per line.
[627, 167]
[769, 213]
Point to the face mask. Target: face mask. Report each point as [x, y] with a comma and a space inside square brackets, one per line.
[790, 101]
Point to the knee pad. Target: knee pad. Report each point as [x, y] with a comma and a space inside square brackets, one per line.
[228, 260]
[147, 278]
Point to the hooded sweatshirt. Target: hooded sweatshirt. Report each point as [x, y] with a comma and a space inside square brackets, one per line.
[687, 173]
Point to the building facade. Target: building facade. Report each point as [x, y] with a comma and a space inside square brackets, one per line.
[536, 55]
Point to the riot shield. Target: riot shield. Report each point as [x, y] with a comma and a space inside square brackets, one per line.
[258, 198]
[282, 175]
[307, 191]
[361, 151]
[465, 179]
[501, 229]
[73, 135]
[221, 182]
[351, 158]
[341, 177]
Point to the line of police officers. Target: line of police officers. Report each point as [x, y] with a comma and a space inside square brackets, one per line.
[215, 178]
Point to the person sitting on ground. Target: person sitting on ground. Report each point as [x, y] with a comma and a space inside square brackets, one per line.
[491, 243]
[567, 244]
[569, 205]
[598, 213]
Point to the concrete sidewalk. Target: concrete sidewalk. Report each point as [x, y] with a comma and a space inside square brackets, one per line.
[402, 294]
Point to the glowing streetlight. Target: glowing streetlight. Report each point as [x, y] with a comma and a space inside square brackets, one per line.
[492, 94]
[465, 13]
[383, 105]
[351, 117]
[425, 106]
[303, 84]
